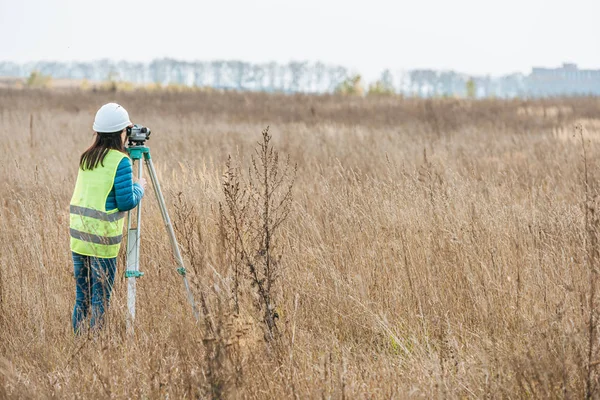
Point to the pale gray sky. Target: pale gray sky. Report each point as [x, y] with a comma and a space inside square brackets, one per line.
[473, 36]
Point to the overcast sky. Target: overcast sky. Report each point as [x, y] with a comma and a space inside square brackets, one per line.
[472, 36]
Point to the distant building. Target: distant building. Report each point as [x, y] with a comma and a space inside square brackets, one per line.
[566, 80]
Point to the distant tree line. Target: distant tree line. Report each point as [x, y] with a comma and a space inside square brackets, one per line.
[292, 77]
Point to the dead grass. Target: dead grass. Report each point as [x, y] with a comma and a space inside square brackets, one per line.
[434, 249]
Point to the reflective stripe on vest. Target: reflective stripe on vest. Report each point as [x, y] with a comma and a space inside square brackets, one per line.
[101, 215]
[88, 237]
[94, 230]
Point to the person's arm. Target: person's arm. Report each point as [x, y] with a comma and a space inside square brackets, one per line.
[127, 193]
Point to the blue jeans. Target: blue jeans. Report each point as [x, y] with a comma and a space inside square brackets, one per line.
[94, 278]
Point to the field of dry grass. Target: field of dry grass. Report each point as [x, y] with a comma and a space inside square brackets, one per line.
[434, 249]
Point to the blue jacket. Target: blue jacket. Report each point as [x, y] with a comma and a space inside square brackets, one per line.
[124, 195]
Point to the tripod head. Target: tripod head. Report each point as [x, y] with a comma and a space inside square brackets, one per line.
[137, 150]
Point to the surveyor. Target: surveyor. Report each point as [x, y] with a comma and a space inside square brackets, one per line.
[103, 192]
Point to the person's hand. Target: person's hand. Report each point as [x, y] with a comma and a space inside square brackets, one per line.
[142, 182]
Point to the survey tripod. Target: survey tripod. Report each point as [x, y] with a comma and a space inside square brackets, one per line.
[137, 151]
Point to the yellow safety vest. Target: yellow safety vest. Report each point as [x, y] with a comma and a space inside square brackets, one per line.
[96, 231]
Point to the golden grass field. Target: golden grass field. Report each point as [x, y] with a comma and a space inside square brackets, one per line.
[434, 249]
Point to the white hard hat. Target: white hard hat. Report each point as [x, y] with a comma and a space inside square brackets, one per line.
[110, 118]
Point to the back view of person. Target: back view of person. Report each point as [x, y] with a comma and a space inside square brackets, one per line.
[103, 192]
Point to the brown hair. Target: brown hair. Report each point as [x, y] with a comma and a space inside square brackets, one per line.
[97, 151]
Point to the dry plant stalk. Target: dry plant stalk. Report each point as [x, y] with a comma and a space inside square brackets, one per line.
[221, 366]
[253, 213]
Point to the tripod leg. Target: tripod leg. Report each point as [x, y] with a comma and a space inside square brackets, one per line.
[171, 233]
[133, 256]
